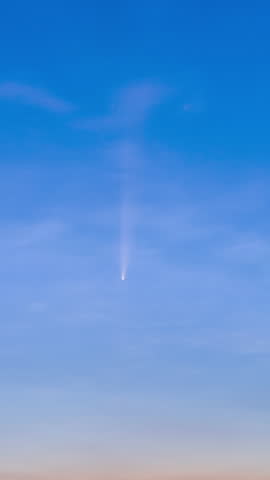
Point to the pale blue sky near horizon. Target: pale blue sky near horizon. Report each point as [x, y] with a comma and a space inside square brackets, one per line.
[170, 101]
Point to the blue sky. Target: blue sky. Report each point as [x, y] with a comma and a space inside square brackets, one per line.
[134, 133]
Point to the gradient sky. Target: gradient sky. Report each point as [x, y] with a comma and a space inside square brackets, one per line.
[159, 110]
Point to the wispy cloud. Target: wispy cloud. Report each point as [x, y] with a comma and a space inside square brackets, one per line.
[130, 108]
[254, 250]
[194, 106]
[30, 95]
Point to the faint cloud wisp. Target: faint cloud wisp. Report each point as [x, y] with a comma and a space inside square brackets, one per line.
[34, 96]
[129, 109]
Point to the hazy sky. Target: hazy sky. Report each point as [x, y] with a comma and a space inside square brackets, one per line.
[135, 133]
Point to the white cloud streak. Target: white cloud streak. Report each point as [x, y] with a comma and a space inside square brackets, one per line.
[30, 95]
[129, 109]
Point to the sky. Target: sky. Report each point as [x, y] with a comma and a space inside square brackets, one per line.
[134, 240]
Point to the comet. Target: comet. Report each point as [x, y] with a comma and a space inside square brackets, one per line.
[124, 236]
[126, 211]
[124, 242]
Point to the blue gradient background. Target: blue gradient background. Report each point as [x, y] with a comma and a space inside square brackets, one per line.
[165, 375]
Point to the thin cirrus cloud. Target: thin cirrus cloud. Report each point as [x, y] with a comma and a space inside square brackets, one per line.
[38, 97]
[194, 106]
[130, 108]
